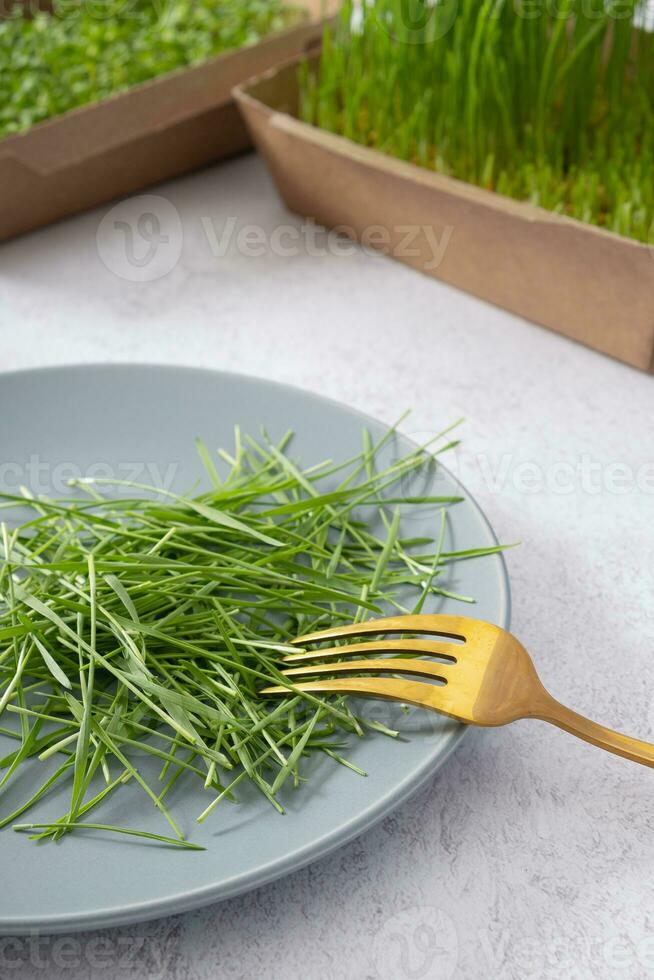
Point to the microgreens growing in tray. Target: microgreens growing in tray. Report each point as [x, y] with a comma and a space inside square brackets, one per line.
[148, 622]
[548, 103]
[84, 51]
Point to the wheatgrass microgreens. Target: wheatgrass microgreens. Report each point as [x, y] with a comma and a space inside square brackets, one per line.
[548, 103]
[142, 623]
[55, 61]
[116, 830]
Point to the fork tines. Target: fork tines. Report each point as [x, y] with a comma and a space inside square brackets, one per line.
[446, 626]
[435, 670]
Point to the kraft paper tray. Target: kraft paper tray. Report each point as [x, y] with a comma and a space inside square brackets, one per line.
[152, 132]
[590, 284]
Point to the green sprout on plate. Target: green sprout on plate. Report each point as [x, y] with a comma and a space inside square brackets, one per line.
[136, 623]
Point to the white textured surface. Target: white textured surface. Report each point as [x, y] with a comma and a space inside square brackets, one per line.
[531, 855]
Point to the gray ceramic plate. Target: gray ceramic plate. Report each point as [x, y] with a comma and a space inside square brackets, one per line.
[140, 422]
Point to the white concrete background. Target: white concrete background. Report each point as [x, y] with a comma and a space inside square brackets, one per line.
[531, 854]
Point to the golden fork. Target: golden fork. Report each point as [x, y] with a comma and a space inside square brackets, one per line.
[487, 678]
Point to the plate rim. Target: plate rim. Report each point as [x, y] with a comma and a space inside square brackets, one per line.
[317, 849]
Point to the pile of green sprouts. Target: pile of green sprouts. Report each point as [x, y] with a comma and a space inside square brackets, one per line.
[86, 50]
[548, 102]
[136, 620]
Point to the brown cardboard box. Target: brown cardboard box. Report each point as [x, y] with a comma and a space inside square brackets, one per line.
[150, 133]
[595, 286]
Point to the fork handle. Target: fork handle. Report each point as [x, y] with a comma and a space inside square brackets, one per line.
[631, 748]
